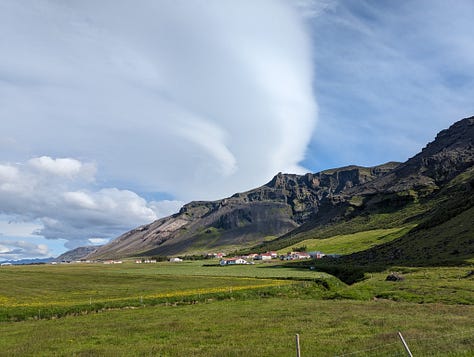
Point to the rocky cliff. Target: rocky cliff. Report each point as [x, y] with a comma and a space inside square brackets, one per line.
[244, 219]
[291, 204]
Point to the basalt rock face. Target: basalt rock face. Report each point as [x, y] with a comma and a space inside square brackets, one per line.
[431, 190]
[290, 204]
[244, 219]
[451, 153]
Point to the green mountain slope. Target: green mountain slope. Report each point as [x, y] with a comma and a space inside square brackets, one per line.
[444, 236]
[427, 191]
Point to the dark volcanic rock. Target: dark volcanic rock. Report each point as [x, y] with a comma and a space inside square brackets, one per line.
[298, 203]
[244, 219]
[441, 160]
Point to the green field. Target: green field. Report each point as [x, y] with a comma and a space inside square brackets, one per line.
[56, 290]
[188, 309]
[350, 243]
[257, 327]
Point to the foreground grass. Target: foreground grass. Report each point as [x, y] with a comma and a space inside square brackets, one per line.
[194, 310]
[256, 327]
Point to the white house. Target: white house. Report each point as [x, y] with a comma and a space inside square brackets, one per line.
[233, 261]
[176, 260]
[264, 256]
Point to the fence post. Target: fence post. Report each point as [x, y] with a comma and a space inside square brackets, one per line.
[404, 344]
[298, 352]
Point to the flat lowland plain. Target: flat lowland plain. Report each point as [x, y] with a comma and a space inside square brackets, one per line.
[188, 309]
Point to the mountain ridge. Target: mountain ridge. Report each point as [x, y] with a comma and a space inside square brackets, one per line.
[277, 207]
[292, 205]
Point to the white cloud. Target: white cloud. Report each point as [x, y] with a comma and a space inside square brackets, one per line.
[14, 250]
[97, 241]
[196, 100]
[63, 167]
[46, 202]
[193, 100]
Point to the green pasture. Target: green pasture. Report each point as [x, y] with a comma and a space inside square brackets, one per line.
[262, 270]
[193, 309]
[448, 285]
[350, 243]
[55, 290]
[255, 327]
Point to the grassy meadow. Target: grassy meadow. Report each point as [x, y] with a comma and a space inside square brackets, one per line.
[350, 243]
[189, 309]
[256, 327]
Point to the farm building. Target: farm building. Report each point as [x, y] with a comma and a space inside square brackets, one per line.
[233, 261]
[264, 256]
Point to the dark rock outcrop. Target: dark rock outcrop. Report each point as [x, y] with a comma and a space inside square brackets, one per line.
[244, 219]
[298, 203]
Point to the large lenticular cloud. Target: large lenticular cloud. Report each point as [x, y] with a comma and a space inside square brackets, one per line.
[106, 103]
[197, 99]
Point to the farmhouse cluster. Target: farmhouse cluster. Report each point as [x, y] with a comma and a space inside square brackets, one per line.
[250, 258]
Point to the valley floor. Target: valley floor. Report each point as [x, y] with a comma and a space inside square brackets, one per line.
[191, 310]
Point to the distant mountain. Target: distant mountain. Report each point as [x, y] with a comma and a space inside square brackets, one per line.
[76, 254]
[28, 261]
[338, 201]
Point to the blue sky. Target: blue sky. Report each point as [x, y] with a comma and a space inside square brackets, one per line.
[113, 114]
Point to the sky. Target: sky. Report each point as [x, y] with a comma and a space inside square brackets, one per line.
[116, 113]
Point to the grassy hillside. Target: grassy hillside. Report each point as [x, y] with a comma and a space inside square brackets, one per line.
[408, 215]
[442, 228]
[444, 236]
[349, 243]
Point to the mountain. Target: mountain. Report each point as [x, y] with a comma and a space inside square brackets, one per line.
[291, 208]
[433, 193]
[244, 219]
[76, 253]
[28, 261]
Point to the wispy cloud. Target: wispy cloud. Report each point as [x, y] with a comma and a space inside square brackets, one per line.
[390, 75]
[100, 101]
[196, 101]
